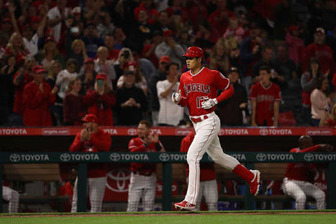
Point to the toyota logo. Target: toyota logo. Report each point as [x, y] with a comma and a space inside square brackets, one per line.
[263, 131]
[118, 180]
[65, 157]
[14, 158]
[164, 157]
[261, 156]
[115, 157]
[132, 131]
[308, 157]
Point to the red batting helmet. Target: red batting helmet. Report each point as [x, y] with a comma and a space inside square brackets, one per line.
[194, 52]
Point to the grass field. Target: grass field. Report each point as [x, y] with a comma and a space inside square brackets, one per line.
[245, 217]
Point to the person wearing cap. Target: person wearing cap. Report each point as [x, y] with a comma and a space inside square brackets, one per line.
[140, 80]
[153, 100]
[321, 51]
[143, 175]
[131, 101]
[233, 111]
[92, 139]
[37, 98]
[104, 65]
[101, 100]
[198, 92]
[170, 114]
[169, 47]
[56, 17]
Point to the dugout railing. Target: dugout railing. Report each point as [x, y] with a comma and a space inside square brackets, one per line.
[167, 159]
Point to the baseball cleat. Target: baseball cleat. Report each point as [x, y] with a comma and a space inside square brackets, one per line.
[255, 183]
[185, 205]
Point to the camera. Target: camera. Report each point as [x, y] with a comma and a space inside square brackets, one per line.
[126, 54]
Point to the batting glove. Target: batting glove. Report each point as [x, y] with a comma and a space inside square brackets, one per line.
[209, 103]
[176, 97]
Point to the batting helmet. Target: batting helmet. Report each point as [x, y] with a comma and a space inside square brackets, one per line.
[194, 52]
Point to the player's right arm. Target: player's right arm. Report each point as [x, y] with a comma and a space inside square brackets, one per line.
[77, 143]
[134, 146]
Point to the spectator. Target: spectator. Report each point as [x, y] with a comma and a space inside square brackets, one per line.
[109, 43]
[88, 75]
[7, 73]
[140, 80]
[296, 182]
[148, 50]
[125, 55]
[265, 100]
[105, 26]
[233, 110]
[15, 46]
[277, 77]
[170, 114]
[283, 18]
[321, 51]
[13, 197]
[119, 38]
[91, 39]
[30, 36]
[92, 139]
[21, 78]
[295, 44]
[56, 16]
[250, 54]
[308, 83]
[49, 53]
[143, 175]
[320, 103]
[159, 75]
[170, 48]
[101, 100]
[92, 9]
[78, 52]
[148, 7]
[145, 66]
[73, 104]
[219, 57]
[131, 101]
[54, 70]
[208, 183]
[329, 119]
[37, 97]
[63, 78]
[104, 65]
[234, 30]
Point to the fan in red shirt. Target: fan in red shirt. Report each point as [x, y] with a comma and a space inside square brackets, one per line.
[143, 177]
[92, 139]
[265, 99]
[37, 97]
[296, 182]
[208, 183]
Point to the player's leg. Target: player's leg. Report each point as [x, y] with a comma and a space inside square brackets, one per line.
[96, 193]
[211, 194]
[252, 177]
[206, 131]
[74, 197]
[149, 193]
[292, 189]
[134, 193]
[13, 197]
[315, 192]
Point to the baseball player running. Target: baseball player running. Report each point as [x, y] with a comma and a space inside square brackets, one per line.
[198, 91]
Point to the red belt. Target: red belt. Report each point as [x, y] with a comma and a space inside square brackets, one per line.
[143, 173]
[198, 119]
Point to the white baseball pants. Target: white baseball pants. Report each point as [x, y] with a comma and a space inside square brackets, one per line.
[96, 190]
[208, 189]
[13, 197]
[141, 187]
[299, 189]
[205, 140]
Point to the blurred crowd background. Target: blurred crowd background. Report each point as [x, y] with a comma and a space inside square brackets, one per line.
[62, 59]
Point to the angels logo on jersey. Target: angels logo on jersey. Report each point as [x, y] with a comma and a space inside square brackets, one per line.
[196, 87]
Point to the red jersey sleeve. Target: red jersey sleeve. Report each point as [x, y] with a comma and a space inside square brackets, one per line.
[136, 146]
[253, 92]
[76, 144]
[220, 81]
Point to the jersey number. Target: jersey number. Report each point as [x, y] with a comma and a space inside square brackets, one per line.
[199, 100]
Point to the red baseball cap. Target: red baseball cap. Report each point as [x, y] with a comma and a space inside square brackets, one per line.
[167, 33]
[165, 58]
[194, 52]
[39, 71]
[101, 76]
[90, 118]
[37, 67]
[292, 28]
